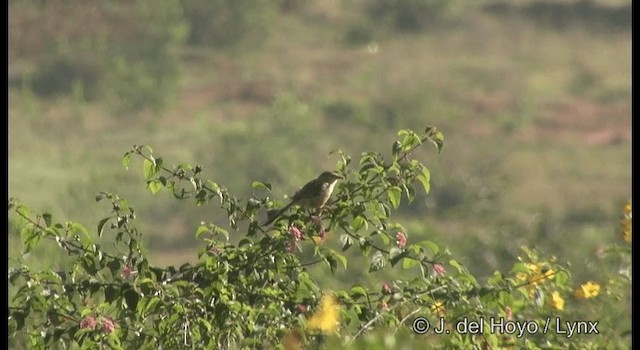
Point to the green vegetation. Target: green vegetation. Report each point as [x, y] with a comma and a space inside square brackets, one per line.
[534, 99]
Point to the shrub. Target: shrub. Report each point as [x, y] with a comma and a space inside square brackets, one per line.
[258, 293]
[227, 22]
[411, 15]
[114, 50]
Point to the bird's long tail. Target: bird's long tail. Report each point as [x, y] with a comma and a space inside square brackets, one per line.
[272, 215]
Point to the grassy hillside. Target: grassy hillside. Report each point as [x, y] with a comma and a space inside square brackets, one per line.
[536, 113]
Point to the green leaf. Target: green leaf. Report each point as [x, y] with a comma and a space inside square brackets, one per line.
[23, 211]
[204, 322]
[395, 254]
[358, 291]
[30, 238]
[333, 263]
[409, 140]
[436, 137]
[220, 231]
[19, 317]
[148, 169]
[145, 283]
[358, 222]
[365, 246]
[79, 228]
[131, 297]
[386, 240]
[468, 277]
[114, 266]
[126, 160]
[245, 241]
[562, 278]
[520, 267]
[434, 248]
[496, 279]
[457, 266]
[339, 257]
[201, 229]
[369, 158]
[151, 306]
[111, 294]
[394, 194]
[47, 219]
[408, 263]
[89, 264]
[102, 195]
[196, 183]
[261, 185]
[410, 192]
[396, 148]
[404, 132]
[154, 186]
[186, 166]
[424, 179]
[86, 312]
[346, 241]
[377, 261]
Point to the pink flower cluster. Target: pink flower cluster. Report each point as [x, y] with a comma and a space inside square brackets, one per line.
[401, 239]
[439, 269]
[296, 234]
[90, 322]
[386, 289]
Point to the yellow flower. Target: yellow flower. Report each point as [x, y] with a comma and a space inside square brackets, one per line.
[326, 319]
[587, 290]
[438, 308]
[625, 223]
[538, 273]
[521, 276]
[556, 301]
[542, 271]
[627, 209]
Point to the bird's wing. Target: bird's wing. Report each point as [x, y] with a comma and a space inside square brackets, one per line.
[309, 190]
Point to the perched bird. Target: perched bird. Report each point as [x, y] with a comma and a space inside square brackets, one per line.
[313, 195]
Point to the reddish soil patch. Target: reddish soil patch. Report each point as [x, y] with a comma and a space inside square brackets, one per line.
[593, 123]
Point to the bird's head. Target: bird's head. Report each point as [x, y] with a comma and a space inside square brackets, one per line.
[329, 176]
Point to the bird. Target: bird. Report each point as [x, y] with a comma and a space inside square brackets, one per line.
[314, 194]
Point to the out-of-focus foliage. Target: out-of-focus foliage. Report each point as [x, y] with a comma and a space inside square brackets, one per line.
[227, 22]
[413, 15]
[258, 292]
[117, 51]
[534, 128]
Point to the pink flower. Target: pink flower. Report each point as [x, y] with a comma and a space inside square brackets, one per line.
[127, 271]
[291, 247]
[384, 306]
[439, 269]
[295, 233]
[214, 250]
[508, 313]
[302, 308]
[386, 289]
[108, 325]
[88, 322]
[322, 234]
[401, 239]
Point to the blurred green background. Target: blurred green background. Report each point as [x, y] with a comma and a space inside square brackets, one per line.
[534, 99]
